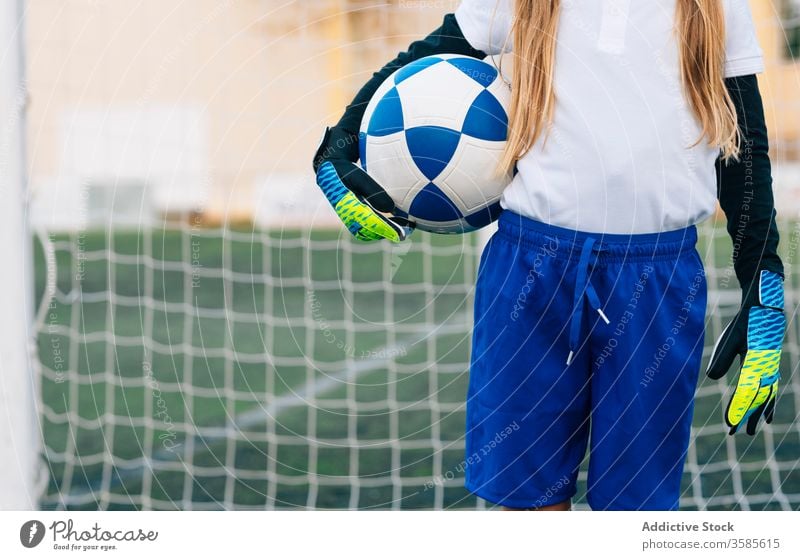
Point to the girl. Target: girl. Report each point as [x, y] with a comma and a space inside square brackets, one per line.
[628, 121]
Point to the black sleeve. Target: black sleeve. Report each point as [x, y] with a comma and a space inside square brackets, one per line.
[447, 39]
[744, 189]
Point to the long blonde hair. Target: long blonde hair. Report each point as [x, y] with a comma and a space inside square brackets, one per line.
[700, 30]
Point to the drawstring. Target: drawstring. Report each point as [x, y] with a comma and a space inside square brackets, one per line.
[583, 285]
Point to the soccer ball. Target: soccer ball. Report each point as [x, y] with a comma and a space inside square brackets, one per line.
[432, 136]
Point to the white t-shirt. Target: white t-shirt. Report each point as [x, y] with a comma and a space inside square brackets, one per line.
[617, 159]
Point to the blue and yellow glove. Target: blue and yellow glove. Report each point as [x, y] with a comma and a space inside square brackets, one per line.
[355, 197]
[756, 335]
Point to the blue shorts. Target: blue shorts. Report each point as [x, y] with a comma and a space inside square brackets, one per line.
[583, 339]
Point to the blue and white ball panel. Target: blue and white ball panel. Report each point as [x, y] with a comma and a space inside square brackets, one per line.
[486, 119]
[443, 101]
[432, 148]
[432, 205]
[389, 162]
[474, 69]
[502, 93]
[500, 89]
[380, 93]
[388, 117]
[415, 67]
[472, 168]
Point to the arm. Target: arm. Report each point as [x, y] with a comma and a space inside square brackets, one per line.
[756, 332]
[744, 189]
[354, 195]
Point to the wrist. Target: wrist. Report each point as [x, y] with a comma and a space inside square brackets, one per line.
[336, 144]
[765, 290]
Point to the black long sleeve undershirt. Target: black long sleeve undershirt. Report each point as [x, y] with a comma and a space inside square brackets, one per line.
[744, 190]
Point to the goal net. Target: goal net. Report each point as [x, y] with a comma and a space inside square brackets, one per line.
[207, 338]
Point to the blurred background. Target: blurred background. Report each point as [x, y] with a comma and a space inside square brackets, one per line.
[207, 337]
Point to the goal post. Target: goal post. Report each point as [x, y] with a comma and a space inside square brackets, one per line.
[19, 435]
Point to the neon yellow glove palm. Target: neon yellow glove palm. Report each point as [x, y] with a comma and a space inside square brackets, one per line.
[355, 197]
[756, 335]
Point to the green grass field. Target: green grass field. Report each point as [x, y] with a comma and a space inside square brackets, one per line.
[190, 369]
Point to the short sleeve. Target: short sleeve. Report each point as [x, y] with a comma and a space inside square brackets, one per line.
[486, 24]
[743, 54]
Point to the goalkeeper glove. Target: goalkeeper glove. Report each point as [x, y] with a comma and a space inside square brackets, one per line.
[756, 335]
[355, 197]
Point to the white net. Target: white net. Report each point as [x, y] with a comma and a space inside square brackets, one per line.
[206, 342]
[285, 369]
